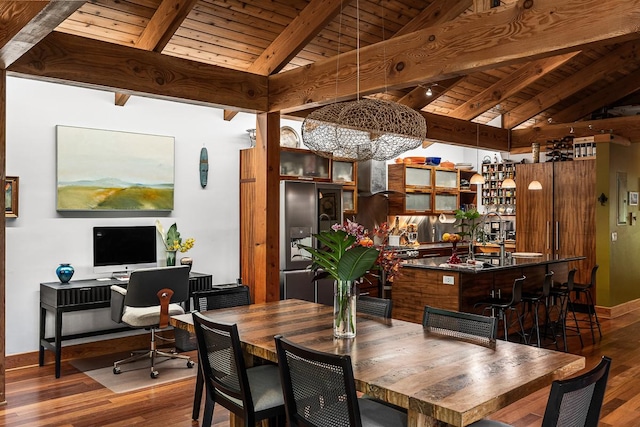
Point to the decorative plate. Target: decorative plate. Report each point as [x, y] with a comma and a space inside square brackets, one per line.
[289, 137]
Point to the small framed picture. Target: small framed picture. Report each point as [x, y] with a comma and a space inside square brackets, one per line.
[11, 197]
[633, 198]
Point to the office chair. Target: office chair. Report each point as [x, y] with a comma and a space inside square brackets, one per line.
[573, 402]
[253, 393]
[465, 326]
[150, 298]
[319, 391]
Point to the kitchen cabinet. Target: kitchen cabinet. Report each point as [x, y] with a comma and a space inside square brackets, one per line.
[560, 218]
[304, 165]
[422, 190]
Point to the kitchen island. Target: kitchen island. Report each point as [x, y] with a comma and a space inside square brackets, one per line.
[431, 281]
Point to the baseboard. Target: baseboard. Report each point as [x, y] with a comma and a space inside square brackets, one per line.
[88, 349]
[618, 310]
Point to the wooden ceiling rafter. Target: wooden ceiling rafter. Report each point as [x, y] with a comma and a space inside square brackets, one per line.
[26, 23]
[311, 20]
[453, 49]
[605, 96]
[510, 85]
[574, 83]
[161, 27]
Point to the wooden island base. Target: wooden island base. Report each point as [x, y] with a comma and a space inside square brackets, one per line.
[423, 282]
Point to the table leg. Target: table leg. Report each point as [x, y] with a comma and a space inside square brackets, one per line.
[58, 341]
[43, 320]
[418, 419]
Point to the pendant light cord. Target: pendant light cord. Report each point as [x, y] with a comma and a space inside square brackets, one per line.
[357, 49]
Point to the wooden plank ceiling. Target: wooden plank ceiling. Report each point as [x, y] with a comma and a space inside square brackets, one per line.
[534, 63]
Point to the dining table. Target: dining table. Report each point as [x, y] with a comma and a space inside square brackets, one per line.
[439, 380]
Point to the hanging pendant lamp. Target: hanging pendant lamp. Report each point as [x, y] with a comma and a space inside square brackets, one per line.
[535, 185]
[476, 178]
[365, 129]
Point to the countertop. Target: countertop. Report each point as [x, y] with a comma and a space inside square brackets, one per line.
[440, 263]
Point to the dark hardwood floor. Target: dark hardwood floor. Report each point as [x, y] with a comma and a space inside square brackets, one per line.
[36, 398]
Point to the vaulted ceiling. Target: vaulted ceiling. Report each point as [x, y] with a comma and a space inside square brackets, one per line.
[543, 66]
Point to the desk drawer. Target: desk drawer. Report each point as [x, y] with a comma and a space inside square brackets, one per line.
[80, 296]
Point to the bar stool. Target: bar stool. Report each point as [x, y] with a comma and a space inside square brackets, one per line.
[578, 289]
[561, 297]
[504, 307]
[532, 302]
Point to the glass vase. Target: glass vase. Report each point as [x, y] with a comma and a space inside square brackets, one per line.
[171, 258]
[344, 309]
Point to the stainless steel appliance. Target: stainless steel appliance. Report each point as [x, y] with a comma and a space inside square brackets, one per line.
[306, 208]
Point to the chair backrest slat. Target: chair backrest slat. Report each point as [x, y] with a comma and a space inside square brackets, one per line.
[380, 307]
[222, 297]
[467, 326]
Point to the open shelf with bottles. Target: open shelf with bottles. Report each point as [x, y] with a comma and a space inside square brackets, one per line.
[494, 197]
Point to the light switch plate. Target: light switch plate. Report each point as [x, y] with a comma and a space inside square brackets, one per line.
[448, 280]
[614, 236]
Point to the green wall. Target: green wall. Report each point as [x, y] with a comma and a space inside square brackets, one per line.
[619, 273]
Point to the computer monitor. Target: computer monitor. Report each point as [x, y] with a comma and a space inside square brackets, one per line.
[121, 249]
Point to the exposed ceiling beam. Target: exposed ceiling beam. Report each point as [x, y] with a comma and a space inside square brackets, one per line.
[627, 127]
[611, 93]
[467, 134]
[311, 20]
[92, 63]
[504, 36]
[25, 23]
[438, 12]
[573, 84]
[159, 30]
[508, 86]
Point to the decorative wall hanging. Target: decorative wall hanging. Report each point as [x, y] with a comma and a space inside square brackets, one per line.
[11, 197]
[109, 170]
[204, 167]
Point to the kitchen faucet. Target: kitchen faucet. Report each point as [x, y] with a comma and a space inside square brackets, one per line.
[499, 239]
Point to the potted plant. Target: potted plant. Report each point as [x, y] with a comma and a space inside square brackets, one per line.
[346, 255]
[469, 223]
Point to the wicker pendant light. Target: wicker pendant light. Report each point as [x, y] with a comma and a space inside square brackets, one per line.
[365, 129]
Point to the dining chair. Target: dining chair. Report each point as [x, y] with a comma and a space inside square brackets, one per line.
[574, 402]
[380, 307]
[221, 296]
[466, 326]
[505, 307]
[253, 393]
[218, 297]
[319, 391]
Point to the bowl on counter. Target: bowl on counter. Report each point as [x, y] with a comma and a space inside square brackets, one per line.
[432, 161]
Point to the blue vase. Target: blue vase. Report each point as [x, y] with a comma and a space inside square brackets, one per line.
[65, 272]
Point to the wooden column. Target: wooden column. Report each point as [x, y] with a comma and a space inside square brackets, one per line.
[260, 211]
[3, 151]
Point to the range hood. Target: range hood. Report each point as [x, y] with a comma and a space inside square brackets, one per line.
[372, 177]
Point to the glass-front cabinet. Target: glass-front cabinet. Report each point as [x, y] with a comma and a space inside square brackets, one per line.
[421, 189]
[343, 172]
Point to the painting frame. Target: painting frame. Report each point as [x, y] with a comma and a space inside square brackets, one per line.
[111, 170]
[11, 191]
[633, 198]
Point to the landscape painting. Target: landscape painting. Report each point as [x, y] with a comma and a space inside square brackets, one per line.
[110, 170]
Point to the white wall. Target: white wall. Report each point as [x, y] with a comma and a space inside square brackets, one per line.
[41, 238]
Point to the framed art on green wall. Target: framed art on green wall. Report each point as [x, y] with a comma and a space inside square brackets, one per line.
[111, 170]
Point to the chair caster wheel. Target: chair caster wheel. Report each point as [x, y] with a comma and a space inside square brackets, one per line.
[154, 374]
[116, 371]
[190, 364]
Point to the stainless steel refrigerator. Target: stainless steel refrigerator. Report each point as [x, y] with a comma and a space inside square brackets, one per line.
[306, 208]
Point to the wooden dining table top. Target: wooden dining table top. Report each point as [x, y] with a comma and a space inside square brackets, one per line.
[439, 380]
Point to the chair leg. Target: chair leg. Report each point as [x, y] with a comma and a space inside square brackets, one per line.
[209, 404]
